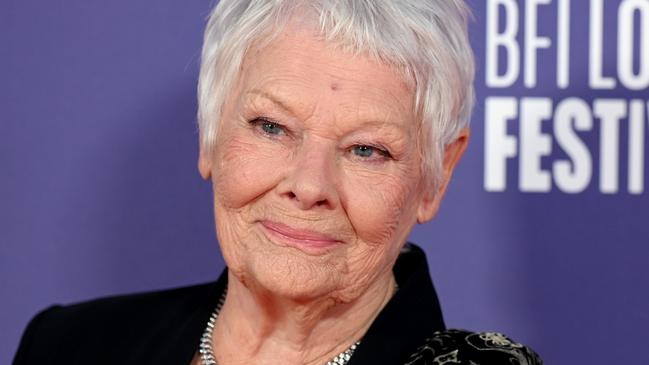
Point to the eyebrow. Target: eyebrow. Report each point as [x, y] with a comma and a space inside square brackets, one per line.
[283, 105]
[272, 98]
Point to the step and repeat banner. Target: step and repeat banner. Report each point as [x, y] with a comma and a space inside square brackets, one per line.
[543, 235]
[573, 80]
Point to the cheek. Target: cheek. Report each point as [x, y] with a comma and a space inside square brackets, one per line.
[380, 207]
[246, 171]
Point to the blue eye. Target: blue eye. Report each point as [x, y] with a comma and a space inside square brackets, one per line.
[370, 152]
[271, 128]
[363, 151]
[268, 127]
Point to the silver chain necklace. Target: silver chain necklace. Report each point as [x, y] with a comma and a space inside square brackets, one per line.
[207, 355]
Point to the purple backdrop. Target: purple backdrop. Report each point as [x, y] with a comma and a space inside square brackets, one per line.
[99, 192]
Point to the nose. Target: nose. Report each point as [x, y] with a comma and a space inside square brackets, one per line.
[311, 180]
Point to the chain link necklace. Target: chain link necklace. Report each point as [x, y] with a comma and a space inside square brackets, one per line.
[207, 355]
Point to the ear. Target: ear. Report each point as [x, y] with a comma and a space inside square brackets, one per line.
[432, 199]
[204, 164]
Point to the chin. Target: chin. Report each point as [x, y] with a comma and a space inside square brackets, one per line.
[293, 275]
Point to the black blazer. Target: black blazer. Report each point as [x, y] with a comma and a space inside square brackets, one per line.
[165, 327]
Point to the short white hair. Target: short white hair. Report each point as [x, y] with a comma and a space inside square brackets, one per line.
[426, 40]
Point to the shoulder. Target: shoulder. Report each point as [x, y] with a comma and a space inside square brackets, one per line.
[472, 348]
[133, 308]
[61, 331]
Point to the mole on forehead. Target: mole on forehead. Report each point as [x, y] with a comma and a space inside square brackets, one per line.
[334, 86]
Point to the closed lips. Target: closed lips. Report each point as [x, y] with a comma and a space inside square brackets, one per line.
[306, 236]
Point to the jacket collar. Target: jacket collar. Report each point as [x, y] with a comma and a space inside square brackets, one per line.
[182, 343]
[411, 316]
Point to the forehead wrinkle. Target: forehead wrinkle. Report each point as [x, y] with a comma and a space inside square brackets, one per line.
[351, 107]
[338, 72]
[377, 120]
[277, 101]
[374, 108]
[280, 91]
[380, 93]
[365, 122]
[342, 76]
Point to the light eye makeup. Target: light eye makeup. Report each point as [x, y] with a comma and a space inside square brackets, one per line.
[268, 127]
[361, 151]
[370, 152]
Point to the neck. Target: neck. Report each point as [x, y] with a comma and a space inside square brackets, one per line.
[255, 326]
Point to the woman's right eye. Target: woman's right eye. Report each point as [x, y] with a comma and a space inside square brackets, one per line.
[268, 127]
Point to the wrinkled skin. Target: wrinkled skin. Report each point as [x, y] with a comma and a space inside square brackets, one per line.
[321, 141]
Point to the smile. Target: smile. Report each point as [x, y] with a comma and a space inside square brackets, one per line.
[310, 242]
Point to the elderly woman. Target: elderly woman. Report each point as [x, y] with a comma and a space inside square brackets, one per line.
[328, 129]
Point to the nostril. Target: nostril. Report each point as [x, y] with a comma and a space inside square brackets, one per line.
[291, 195]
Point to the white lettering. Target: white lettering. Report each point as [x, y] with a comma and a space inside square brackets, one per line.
[636, 146]
[596, 79]
[609, 111]
[625, 42]
[498, 145]
[534, 145]
[563, 44]
[506, 39]
[532, 41]
[572, 177]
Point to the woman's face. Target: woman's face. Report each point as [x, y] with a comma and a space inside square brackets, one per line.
[316, 170]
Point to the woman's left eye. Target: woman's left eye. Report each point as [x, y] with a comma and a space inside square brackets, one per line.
[370, 152]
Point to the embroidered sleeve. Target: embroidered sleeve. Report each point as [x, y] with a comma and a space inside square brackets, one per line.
[470, 348]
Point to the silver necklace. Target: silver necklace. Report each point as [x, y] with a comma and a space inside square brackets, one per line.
[207, 355]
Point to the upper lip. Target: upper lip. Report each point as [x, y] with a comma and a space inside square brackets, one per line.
[297, 233]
